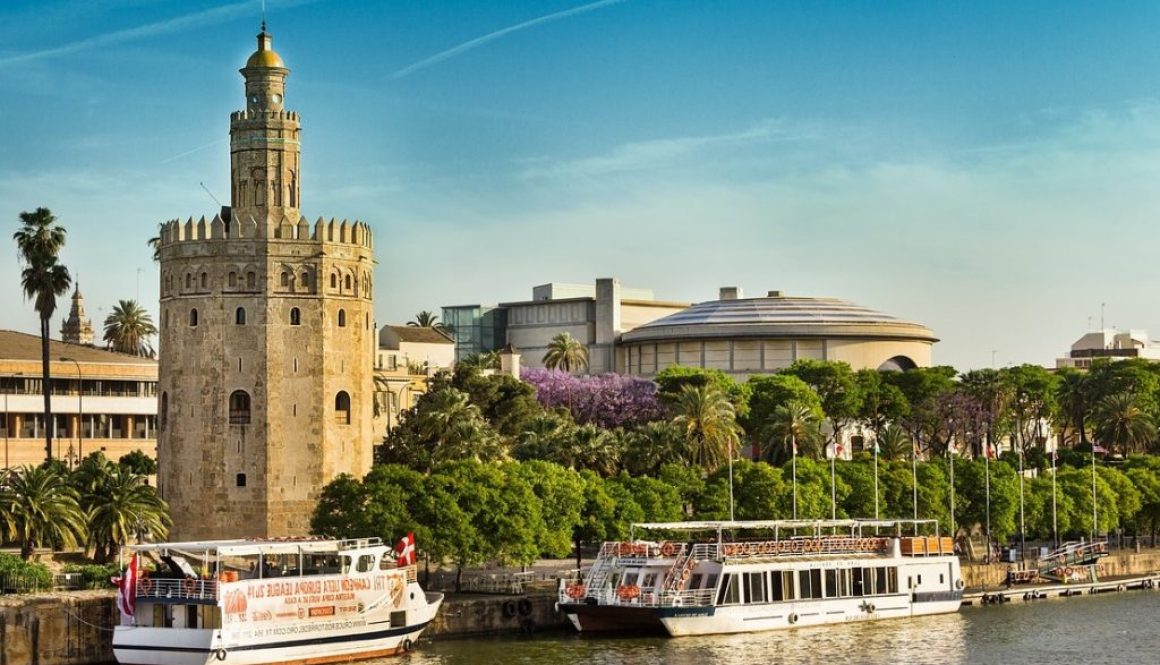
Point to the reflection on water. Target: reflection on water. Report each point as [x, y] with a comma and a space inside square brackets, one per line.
[1106, 628]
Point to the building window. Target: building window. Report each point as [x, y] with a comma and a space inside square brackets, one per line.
[285, 278]
[342, 408]
[342, 318]
[188, 281]
[233, 280]
[241, 480]
[347, 284]
[239, 408]
[333, 281]
[193, 318]
[251, 280]
[295, 316]
[240, 316]
[306, 280]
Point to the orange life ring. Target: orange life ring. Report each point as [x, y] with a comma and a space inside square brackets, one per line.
[575, 591]
[628, 591]
[668, 549]
[730, 549]
[685, 574]
[189, 586]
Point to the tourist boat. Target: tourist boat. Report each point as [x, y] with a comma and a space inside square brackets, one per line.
[700, 578]
[246, 602]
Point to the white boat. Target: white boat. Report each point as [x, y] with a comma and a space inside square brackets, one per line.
[248, 602]
[700, 578]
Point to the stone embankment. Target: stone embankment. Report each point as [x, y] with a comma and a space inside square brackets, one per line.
[76, 628]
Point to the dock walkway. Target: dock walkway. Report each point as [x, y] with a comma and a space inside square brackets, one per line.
[1030, 592]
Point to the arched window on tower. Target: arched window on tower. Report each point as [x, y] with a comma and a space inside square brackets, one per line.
[295, 316]
[240, 316]
[342, 408]
[306, 280]
[251, 280]
[239, 408]
[204, 281]
[188, 281]
[233, 280]
[334, 280]
[342, 318]
[347, 283]
[193, 318]
[285, 279]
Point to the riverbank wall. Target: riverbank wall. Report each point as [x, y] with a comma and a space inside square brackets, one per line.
[76, 628]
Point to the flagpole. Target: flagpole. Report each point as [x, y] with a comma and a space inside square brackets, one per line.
[793, 452]
[833, 485]
[1054, 507]
[1022, 525]
[914, 476]
[730, 481]
[875, 476]
[1095, 506]
[951, 457]
[987, 473]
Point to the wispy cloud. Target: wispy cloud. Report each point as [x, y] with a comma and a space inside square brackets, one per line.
[661, 153]
[192, 151]
[205, 17]
[492, 36]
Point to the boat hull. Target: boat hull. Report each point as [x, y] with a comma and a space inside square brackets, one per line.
[686, 621]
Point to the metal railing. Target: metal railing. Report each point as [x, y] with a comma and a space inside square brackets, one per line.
[187, 589]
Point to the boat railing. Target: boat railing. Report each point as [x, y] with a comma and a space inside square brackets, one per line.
[188, 589]
[802, 546]
[651, 597]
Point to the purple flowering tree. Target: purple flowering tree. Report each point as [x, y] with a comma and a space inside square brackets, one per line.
[607, 400]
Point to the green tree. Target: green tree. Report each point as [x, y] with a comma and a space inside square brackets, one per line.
[758, 491]
[672, 380]
[707, 419]
[40, 509]
[1122, 424]
[882, 402]
[119, 505]
[560, 493]
[1071, 396]
[426, 319]
[129, 328]
[791, 425]
[651, 446]
[139, 463]
[503, 400]
[443, 426]
[566, 353]
[767, 393]
[658, 501]
[601, 516]
[895, 444]
[834, 384]
[43, 278]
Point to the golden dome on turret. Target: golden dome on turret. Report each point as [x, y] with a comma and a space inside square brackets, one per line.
[265, 56]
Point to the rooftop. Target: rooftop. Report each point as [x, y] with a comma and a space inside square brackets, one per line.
[421, 335]
[24, 347]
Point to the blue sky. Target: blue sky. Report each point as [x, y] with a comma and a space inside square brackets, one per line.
[989, 169]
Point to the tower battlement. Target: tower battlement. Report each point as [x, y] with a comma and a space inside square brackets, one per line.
[252, 114]
[342, 232]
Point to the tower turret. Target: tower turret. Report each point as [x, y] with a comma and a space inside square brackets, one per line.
[264, 143]
[77, 329]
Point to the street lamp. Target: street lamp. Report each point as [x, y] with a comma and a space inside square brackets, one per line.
[80, 408]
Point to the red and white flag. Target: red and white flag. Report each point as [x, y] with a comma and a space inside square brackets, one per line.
[405, 554]
[127, 589]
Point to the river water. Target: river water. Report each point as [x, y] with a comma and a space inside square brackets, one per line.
[1109, 628]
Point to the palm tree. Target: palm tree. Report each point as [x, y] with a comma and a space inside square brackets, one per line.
[426, 319]
[1072, 397]
[482, 360]
[119, 505]
[39, 508]
[1122, 424]
[566, 353]
[129, 328]
[43, 279]
[790, 427]
[708, 421]
[155, 242]
[894, 443]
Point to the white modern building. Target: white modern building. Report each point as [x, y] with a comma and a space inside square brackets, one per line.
[1111, 344]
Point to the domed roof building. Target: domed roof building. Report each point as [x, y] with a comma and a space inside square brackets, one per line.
[746, 336]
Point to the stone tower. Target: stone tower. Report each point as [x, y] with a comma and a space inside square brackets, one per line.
[77, 329]
[267, 339]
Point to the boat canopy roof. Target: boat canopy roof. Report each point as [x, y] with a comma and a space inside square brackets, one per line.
[245, 547]
[792, 525]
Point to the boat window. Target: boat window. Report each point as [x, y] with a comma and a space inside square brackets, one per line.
[787, 584]
[695, 581]
[398, 619]
[650, 580]
[880, 581]
[776, 590]
[919, 580]
[909, 582]
[630, 578]
[810, 583]
[755, 588]
[730, 593]
[365, 563]
[844, 583]
[941, 578]
[831, 583]
[891, 580]
[711, 581]
[857, 588]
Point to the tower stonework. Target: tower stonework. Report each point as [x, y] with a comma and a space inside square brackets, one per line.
[267, 339]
